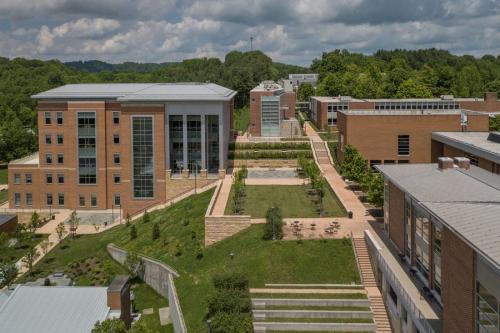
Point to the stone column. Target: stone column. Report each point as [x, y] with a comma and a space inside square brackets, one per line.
[203, 147]
[185, 170]
[167, 141]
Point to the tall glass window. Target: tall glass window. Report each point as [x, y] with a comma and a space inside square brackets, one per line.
[176, 143]
[422, 225]
[436, 253]
[212, 143]
[487, 311]
[142, 157]
[194, 143]
[270, 122]
[408, 228]
[87, 153]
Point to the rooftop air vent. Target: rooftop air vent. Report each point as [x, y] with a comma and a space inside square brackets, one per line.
[445, 163]
[494, 137]
[447, 97]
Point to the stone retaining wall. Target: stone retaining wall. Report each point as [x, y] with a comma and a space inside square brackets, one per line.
[160, 277]
[267, 163]
[218, 228]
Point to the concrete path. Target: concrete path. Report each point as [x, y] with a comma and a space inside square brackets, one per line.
[223, 197]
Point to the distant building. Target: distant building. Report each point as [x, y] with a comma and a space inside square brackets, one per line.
[63, 309]
[297, 79]
[272, 110]
[439, 260]
[8, 223]
[401, 136]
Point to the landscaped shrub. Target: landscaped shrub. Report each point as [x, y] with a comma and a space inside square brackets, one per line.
[239, 190]
[133, 232]
[155, 232]
[134, 264]
[232, 280]
[229, 301]
[146, 218]
[231, 323]
[273, 229]
[302, 145]
[268, 154]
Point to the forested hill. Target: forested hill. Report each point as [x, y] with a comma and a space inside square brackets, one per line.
[96, 66]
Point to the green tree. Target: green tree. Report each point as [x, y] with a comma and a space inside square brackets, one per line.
[376, 190]
[140, 327]
[34, 223]
[155, 232]
[133, 232]
[74, 223]
[60, 230]
[8, 273]
[411, 88]
[115, 325]
[146, 218]
[305, 91]
[273, 229]
[29, 258]
[134, 264]
[353, 167]
[469, 83]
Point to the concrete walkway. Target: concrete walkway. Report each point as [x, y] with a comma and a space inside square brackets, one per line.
[223, 197]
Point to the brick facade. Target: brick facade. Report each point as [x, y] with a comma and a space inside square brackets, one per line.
[458, 284]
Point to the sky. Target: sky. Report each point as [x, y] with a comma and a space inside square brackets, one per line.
[290, 31]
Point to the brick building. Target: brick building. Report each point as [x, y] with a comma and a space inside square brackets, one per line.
[481, 148]
[103, 146]
[323, 110]
[272, 110]
[401, 136]
[439, 263]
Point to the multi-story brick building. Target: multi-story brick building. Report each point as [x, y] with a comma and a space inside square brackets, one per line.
[323, 110]
[401, 136]
[438, 259]
[272, 110]
[481, 148]
[126, 145]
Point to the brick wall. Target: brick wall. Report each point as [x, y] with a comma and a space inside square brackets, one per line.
[255, 112]
[458, 280]
[396, 216]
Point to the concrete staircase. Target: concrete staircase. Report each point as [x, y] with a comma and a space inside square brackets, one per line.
[302, 308]
[377, 303]
[321, 152]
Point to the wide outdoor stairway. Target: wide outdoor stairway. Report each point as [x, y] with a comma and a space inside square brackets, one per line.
[312, 308]
[377, 304]
[321, 152]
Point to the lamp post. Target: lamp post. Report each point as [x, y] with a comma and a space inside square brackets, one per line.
[209, 327]
[272, 221]
[195, 172]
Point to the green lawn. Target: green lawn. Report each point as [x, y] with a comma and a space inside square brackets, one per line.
[16, 252]
[292, 199]
[182, 234]
[241, 118]
[145, 298]
[4, 196]
[3, 174]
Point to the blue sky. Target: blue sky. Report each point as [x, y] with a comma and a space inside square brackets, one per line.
[291, 31]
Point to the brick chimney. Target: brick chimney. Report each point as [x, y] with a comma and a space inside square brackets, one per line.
[462, 162]
[490, 96]
[445, 163]
[119, 298]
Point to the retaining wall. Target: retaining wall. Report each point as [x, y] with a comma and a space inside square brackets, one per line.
[160, 277]
[267, 163]
[218, 228]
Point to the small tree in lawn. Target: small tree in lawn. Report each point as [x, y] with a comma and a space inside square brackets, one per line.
[155, 231]
[146, 218]
[45, 246]
[133, 232]
[115, 325]
[74, 222]
[8, 273]
[376, 190]
[273, 229]
[319, 186]
[135, 265]
[33, 224]
[60, 230]
[30, 258]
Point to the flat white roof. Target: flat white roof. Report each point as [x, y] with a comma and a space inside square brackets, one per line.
[140, 92]
[475, 143]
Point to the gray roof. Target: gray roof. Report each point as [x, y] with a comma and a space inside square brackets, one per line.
[53, 309]
[467, 201]
[140, 92]
[475, 143]
[4, 218]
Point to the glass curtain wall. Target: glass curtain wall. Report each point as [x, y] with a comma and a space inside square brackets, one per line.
[422, 228]
[436, 255]
[212, 143]
[142, 157]
[194, 143]
[270, 122]
[408, 229]
[87, 153]
[176, 143]
[487, 311]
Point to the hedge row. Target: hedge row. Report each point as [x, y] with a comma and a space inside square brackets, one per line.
[268, 154]
[270, 145]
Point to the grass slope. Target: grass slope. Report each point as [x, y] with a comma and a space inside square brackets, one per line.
[4, 196]
[292, 199]
[182, 234]
[3, 174]
[16, 252]
[241, 119]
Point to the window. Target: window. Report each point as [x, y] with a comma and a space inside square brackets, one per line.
[142, 157]
[422, 225]
[60, 159]
[403, 145]
[49, 199]
[474, 160]
[374, 162]
[116, 117]
[93, 200]
[48, 139]
[60, 199]
[87, 156]
[408, 229]
[29, 199]
[17, 199]
[81, 200]
[116, 178]
[393, 295]
[389, 161]
[116, 139]
[59, 116]
[17, 178]
[29, 178]
[437, 229]
[48, 118]
[194, 143]
[403, 161]
[487, 310]
[176, 143]
[212, 143]
[60, 178]
[117, 200]
[270, 116]
[60, 139]
[48, 158]
[48, 178]
[116, 158]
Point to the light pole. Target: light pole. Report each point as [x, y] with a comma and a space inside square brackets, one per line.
[272, 217]
[195, 172]
[209, 327]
